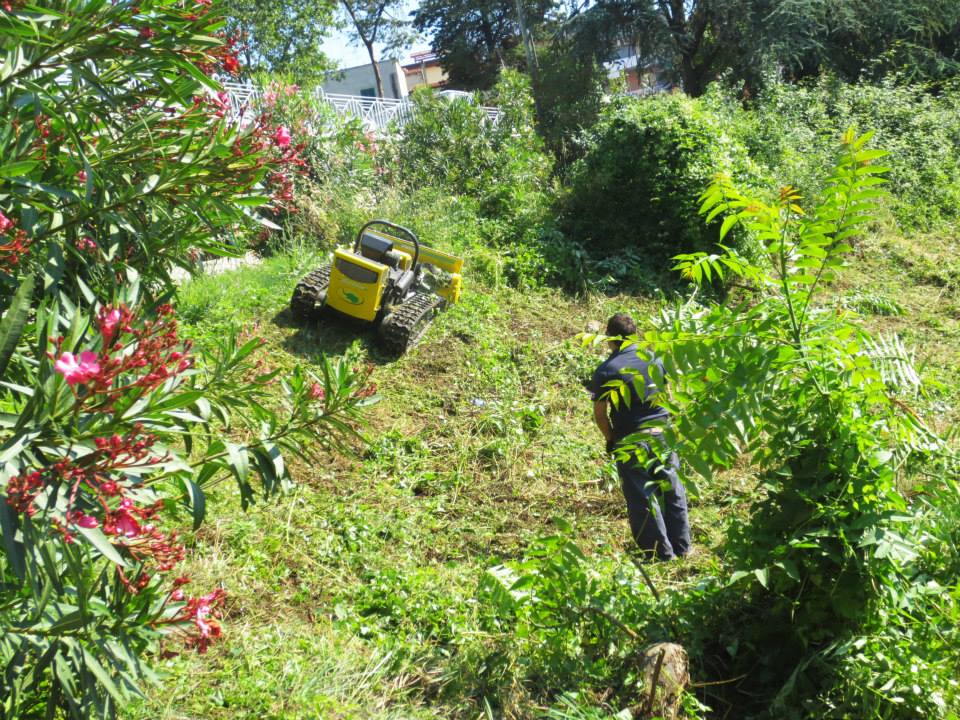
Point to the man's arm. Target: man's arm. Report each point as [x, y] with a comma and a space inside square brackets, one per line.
[602, 419]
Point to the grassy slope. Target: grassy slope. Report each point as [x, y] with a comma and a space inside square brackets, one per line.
[346, 593]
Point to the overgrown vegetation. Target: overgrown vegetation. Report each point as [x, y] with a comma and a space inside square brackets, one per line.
[474, 559]
[471, 557]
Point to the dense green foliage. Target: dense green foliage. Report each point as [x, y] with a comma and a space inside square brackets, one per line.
[749, 44]
[630, 191]
[120, 166]
[473, 562]
[820, 408]
[451, 145]
[785, 130]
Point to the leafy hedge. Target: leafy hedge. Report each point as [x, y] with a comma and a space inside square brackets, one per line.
[636, 187]
[789, 129]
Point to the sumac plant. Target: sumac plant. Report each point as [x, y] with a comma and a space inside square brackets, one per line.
[778, 374]
[120, 158]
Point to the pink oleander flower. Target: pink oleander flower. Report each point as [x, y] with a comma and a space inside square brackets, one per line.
[109, 320]
[5, 223]
[78, 370]
[86, 521]
[222, 102]
[125, 524]
[86, 244]
[282, 136]
[82, 176]
[291, 90]
[201, 609]
[316, 392]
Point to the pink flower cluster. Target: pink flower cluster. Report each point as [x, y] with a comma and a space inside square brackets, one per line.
[12, 252]
[131, 358]
[202, 612]
[80, 369]
[273, 92]
[86, 244]
[96, 500]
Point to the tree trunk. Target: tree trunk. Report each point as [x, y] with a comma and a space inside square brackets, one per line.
[692, 76]
[376, 68]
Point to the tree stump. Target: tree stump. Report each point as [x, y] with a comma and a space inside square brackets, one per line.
[665, 673]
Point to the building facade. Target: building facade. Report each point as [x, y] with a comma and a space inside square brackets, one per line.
[360, 80]
[641, 77]
[424, 70]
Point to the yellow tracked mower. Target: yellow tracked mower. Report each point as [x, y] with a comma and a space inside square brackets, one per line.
[387, 279]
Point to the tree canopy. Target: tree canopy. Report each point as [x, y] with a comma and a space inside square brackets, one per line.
[284, 36]
[377, 21]
[475, 39]
[694, 42]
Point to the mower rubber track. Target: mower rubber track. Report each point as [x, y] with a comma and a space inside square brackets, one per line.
[310, 293]
[404, 327]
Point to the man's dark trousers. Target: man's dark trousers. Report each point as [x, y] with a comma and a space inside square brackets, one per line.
[658, 516]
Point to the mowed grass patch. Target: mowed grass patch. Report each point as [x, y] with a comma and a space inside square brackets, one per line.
[910, 287]
[483, 435]
[356, 594]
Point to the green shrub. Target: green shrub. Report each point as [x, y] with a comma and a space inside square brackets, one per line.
[450, 144]
[636, 186]
[569, 96]
[789, 130]
[830, 553]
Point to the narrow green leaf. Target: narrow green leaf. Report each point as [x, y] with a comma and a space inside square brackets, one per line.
[21, 167]
[101, 543]
[198, 503]
[14, 320]
[13, 549]
[238, 461]
[97, 670]
[728, 223]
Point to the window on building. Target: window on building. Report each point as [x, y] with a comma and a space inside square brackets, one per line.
[368, 92]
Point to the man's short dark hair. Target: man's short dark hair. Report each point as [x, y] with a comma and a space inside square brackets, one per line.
[621, 324]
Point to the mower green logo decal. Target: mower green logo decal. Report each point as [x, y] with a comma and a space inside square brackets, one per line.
[350, 297]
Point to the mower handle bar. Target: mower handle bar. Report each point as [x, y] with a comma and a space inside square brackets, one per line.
[393, 226]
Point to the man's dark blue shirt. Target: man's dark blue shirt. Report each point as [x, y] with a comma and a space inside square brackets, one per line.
[633, 369]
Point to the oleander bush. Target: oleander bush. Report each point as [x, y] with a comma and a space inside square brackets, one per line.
[122, 161]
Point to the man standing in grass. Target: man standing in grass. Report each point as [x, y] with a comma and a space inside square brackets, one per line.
[623, 389]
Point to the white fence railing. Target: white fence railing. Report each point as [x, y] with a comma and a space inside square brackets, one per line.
[649, 90]
[377, 114]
